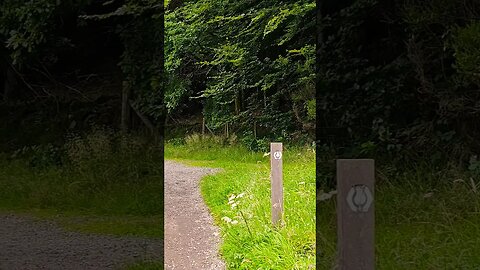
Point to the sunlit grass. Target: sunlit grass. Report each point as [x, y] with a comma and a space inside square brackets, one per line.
[249, 239]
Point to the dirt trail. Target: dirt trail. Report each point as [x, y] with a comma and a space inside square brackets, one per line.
[27, 243]
[191, 239]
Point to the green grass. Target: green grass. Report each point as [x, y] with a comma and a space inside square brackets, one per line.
[146, 266]
[415, 230]
[100, 175]
[104, 184]
[253, 243]
[136, 206]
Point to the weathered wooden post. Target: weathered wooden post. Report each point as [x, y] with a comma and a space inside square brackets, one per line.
[276, 180]
[356, 214]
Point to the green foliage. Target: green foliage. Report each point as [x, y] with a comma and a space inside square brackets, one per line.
[243, 61]
[34, 32]
[30, 30]
[40, 156]
[101, 173]
[403, 79]
[467, 51]
[474, 167]
[254, 144]
[424, 219]
[24, 25]
[239, 199]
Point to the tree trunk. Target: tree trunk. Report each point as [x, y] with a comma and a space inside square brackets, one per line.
[125, 122]
[237, 104]
[9, 85]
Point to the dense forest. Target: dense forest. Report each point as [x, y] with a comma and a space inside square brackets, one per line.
[65, 66]
[399, 77]
[244, 67]
[404, 80]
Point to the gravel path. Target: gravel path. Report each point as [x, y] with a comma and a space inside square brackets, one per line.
[191, 239]
[30, 244]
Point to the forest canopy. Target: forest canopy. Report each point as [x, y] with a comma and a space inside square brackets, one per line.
[246, 64]
[249, 65]
[404, 79]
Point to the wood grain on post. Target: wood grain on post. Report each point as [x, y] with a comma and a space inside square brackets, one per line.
[276, 180]
[356, 214]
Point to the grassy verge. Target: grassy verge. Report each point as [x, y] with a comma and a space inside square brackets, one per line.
[249, 240]
[426, 218]
[97, 183]
[146, 266]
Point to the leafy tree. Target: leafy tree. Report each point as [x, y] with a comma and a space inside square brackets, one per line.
[403, 79]
[250, 64]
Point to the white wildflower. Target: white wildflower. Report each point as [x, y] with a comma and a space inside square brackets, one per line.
[227, 219]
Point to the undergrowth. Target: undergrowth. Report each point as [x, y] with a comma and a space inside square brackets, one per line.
[99, 174]
[239, 199]
[427, 217]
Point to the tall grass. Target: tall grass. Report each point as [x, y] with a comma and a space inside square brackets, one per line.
[239, 199]
[426, 218]
[97, 174]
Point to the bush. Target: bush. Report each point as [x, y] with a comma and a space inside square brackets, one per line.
[196, 140]
[40, 156]
[255, 144]
[467, 51]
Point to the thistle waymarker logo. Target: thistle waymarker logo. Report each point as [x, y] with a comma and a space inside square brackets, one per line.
[359, 198]
[277, 155]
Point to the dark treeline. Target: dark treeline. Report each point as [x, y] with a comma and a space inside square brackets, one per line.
[400, 77]
[246, 67]
[397, 76]
[65, 64]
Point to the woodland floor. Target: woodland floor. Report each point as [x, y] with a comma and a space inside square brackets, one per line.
[29, 243]
[191, 238]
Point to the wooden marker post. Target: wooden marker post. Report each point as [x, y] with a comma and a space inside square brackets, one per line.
[356, 215]
[276, 180]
